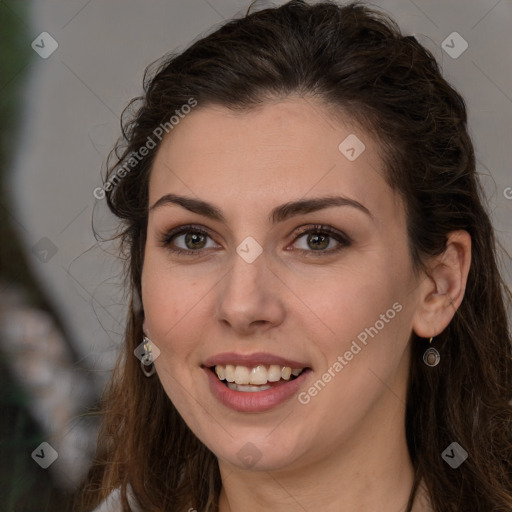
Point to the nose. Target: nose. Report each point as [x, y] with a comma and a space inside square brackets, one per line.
[250, 296]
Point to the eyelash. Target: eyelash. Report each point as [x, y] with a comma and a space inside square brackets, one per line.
[317, 229]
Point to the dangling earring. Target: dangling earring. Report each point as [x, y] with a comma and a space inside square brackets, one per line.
[431, 357]
[147, 359]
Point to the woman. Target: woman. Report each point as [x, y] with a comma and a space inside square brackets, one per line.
[316, 309]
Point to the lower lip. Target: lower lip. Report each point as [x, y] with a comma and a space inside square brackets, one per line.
[257, 401]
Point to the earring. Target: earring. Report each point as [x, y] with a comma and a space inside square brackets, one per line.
[147, 359]
[431, 357]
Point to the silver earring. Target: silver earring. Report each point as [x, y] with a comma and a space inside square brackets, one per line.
[146, 360]
[431, 357]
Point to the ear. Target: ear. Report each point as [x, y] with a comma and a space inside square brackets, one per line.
[442, 289]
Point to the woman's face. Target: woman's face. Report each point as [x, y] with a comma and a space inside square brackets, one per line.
[261, 289]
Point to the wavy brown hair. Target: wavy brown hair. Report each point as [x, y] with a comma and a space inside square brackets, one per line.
[353, 60]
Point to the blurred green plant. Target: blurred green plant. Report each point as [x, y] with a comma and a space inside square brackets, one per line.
[15, 58]
[24, 486]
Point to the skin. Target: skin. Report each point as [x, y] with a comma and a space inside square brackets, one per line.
[346, 448]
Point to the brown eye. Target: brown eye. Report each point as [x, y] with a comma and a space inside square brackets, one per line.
[187, 240]
[194, 240]
[317, 241]
[322, 240]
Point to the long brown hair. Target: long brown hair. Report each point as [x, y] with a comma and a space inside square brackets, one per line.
[354, 60]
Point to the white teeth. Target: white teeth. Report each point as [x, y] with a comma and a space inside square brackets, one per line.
[219, 370]
[274, 373]
[229, 372]
[242, 376]
[258, 375]
[247, 389]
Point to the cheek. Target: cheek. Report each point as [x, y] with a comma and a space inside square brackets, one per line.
[369, 322]
[369, 327]
[172, 309]
[353, 299]
[170, 299]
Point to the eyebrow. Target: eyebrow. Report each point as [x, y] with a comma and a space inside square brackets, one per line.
[278, 214]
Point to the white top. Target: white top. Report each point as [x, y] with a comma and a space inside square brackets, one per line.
[113, 502]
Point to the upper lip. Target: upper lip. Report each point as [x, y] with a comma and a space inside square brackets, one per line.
[252, 360]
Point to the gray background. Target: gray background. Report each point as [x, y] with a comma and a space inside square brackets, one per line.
[73, 102]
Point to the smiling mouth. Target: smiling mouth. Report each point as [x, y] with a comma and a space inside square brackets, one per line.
[256, 378]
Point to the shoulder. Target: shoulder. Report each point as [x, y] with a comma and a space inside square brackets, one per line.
[113, 502]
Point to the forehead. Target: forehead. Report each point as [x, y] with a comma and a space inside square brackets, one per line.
[282, 150]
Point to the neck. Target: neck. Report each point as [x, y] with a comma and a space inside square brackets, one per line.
[373, 472]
